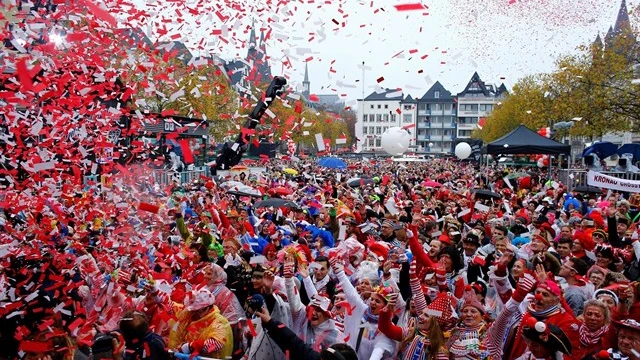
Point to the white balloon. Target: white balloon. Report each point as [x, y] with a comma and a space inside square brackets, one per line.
[463, 150]
[395, 141]
[540, 163]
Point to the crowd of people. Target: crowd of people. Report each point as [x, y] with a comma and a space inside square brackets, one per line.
[428, 260]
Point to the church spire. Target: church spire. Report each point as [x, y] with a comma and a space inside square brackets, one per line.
[622, 21]
[306, 84]
[252, 35]
[598, 41]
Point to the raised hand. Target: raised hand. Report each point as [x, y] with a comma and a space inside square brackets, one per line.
[303, 270]
[335, 265]
[268, 281]
[391, 304]
[541, 273]
[526, 284]
[263, 314]
[288, 271]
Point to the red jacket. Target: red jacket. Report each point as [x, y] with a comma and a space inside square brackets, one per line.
[606, 341]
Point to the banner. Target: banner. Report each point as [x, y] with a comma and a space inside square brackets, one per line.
[600, 180]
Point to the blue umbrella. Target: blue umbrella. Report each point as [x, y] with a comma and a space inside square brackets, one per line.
[332, 163]
[602, 149]
[633, 149]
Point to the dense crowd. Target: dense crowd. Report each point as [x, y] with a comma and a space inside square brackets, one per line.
[427, 260]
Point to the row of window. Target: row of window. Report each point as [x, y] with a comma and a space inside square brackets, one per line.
[379, 117]
[372, 142]
[475, 107]
[386, 106]
[371, 130]
[436, 132]
[435, 107]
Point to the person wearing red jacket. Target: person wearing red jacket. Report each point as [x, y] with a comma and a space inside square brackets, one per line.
[549, 307]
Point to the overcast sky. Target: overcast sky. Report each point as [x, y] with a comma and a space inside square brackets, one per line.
[502, 41]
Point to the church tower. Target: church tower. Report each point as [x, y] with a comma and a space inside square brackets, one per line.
[306, 85]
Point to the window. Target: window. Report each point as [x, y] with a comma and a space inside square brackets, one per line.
[437, 107]
[372, 117]
[468, 107]
[364, 130]
[378, 130]
[378, 142]
[384, 129]
[364, 118]
[385, 117]
[379, 106]
[371, 129]
[407, 118]
[378, 117]
[436, 94]
[372, 106]
[407, 107]
[386, 106]
[393, 117]
[447, 107]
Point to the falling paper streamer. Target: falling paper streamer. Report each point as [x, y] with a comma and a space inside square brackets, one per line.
[186, 151]
[410, 7]
[44, 166]
[320, 142]
[149, 207]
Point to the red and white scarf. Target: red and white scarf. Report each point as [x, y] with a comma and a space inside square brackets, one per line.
[588, 337]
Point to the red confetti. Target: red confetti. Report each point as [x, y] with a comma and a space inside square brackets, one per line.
[410, 7]
[149, 207]
[186, 151]
[380, 79]
[24, 75]
[101, 13]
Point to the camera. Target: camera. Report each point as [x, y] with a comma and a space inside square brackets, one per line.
[255, 302]
[102, 347]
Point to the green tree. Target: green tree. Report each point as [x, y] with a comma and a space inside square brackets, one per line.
[171, 86]
[524, 105]
[594, 85]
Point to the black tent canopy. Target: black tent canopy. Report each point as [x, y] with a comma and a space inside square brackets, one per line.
[523, 140]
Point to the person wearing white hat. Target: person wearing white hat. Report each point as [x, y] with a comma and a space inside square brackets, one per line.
[313, 324]
[200, 328]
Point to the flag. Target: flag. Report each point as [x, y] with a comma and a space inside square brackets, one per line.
[342, 139]
[481, 123]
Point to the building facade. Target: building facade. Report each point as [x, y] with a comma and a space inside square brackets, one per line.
[408, 115]
[436, 120]
[475, 103]
[376, 113]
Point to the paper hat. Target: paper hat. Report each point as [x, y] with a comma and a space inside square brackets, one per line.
[470, 299]
[384, 291]
[442, 308]
[322, 303]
